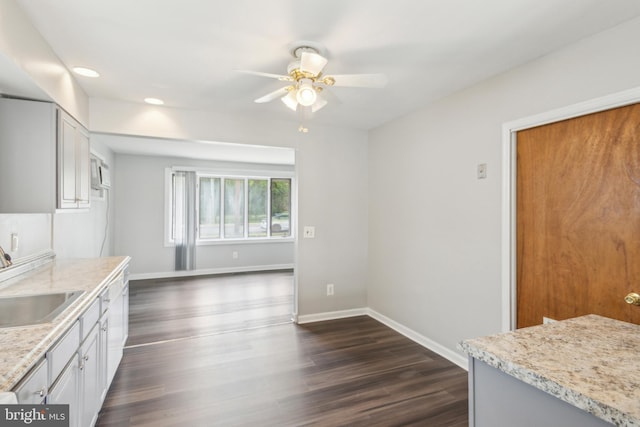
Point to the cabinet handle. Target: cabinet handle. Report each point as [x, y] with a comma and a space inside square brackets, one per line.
[104, 328]
[81, 367]
[107, 300]
[41, 392]
[86, 357]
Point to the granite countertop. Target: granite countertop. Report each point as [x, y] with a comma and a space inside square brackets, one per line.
[590, 362]
[21, 347]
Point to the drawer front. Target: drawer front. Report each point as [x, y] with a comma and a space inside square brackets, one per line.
[89, 319]
[33, 388]
[60, 354]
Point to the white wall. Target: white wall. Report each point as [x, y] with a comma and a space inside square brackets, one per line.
[331, 168]
[140, 206]
[81, 233]
[434, 229]
[33, 230]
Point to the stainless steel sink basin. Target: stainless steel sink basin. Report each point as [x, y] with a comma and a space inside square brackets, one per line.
[34, 309]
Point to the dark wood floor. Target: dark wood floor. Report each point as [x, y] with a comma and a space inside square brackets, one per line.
[348, 372]
[177, 308]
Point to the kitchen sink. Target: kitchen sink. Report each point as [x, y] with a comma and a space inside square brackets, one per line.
[34, 309]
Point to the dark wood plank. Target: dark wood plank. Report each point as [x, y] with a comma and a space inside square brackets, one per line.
[354, 372]
[177, 308]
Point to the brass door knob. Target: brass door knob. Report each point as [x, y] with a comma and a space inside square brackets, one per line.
[633, 299]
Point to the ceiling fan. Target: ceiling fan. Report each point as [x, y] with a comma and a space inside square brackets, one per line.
[307, 84]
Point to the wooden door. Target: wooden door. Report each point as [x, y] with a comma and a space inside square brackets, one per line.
[578, 217]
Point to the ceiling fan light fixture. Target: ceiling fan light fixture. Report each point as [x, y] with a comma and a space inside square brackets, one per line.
[290, 100]
[306, 92]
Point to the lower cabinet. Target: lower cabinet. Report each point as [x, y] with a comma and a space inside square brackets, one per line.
[104, 339]
[66, 390]
[78, 369]
[90, 378]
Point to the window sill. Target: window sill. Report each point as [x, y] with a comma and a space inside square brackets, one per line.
[225, 242]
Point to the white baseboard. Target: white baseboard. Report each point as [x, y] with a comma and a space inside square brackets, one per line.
[332, 315]
[441, 350]
[452, 356]
[208, 271]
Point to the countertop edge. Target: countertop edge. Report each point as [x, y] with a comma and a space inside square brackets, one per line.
[64, 321]
[579, 400]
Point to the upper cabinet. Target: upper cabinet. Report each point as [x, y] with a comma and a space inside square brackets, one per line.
[44, 158]
[73, 163]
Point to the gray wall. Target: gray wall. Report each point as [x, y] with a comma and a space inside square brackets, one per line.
[435, 237]
[140, 207]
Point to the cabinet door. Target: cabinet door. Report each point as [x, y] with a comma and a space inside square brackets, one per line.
[83, 177]
[90, 378]
[104, 345]
[66, 161]
[66, 390]
[27, 156]
[74, 185]
[125, 314]
[116, 337]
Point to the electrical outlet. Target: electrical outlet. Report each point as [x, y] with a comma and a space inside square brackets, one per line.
[329, 289]
[234, 255]
[14, 242]
[309, 232]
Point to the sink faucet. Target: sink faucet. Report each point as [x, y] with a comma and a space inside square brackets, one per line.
[5, 259]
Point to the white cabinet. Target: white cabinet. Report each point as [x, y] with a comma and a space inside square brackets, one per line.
[73, 163]
[79, 367]
[44, 158]
[90, 378]
[66, 390]
[27, 156]
[104, 339]
[116, 335]
[33, 388]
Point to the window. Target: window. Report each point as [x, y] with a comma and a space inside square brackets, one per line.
[209, 212]
[233, 208]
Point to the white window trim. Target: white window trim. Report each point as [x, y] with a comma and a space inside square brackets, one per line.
[232, 174]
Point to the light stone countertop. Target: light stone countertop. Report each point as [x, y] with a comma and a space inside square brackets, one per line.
[21, 347]
[590, 362]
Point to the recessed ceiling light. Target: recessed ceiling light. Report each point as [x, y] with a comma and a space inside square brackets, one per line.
[154, 101]
[86, 72]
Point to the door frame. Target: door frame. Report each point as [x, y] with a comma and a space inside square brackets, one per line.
[509, 163]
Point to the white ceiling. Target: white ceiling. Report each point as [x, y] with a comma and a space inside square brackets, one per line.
[187, 51]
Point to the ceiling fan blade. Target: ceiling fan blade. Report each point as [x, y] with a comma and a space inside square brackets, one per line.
[320, 102]
[360, 80]
[280, 77]
[312, 63]
[274, 95]
[330, 96]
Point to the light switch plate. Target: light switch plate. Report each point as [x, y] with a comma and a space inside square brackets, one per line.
[309, 232]
[482, 171]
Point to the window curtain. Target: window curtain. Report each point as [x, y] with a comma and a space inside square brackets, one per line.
[184, 219]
